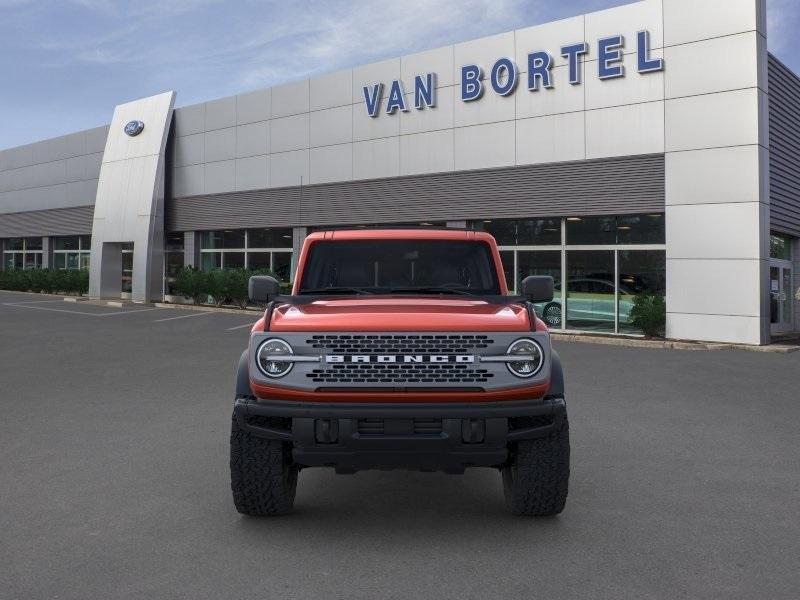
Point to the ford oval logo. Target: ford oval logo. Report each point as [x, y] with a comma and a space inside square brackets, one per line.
[134, 128]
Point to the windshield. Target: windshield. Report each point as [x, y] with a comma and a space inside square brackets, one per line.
[400, 266]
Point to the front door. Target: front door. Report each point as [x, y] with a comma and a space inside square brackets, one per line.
[127, 270]
[780, 296]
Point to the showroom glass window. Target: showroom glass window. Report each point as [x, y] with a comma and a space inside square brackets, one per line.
[640, 272]
[780, 247]
[627, 229]
[269, 249]
[782, 287]
[173, 259]
[608, 260]
[72, 252]
[527, 247]
[513, 236]
[126, 256]
[22, 253]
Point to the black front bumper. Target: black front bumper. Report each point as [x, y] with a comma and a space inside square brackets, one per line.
[356, 436]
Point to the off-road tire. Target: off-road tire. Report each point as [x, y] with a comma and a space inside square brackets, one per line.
[536, 478]
[263, 476]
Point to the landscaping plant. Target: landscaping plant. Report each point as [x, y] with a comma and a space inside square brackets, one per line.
[221, 286]
[649, 313]
[50, 281]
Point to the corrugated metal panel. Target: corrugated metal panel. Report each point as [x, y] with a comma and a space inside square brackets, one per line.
[784, 146]
[56, 221]
[633, 184]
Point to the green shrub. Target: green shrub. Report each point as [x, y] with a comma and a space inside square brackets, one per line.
[14, 280]
[231, 285]
[69, 282]
[649, 313]
[238, 280]
[50, 281]
[82, 282]
[59, 281]
[217, 286]
[39, 280]
[192, 283]
[221, 286]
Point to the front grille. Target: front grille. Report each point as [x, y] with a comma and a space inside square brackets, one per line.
[400, 373]
[399, 344]
[400, 426]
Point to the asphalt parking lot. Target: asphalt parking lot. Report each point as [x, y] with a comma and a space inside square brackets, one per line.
[114, 479]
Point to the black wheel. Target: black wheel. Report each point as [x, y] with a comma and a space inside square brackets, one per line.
[263, 476]
[536, 478]
[552, 314]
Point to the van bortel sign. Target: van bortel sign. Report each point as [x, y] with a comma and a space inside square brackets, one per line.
[504, 75]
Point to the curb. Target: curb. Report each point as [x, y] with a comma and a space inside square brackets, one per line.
[44, 295]
[669, 344]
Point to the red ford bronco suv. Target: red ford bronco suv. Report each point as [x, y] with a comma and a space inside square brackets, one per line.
[400, 348]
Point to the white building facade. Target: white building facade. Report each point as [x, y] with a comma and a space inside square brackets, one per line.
[645, 148]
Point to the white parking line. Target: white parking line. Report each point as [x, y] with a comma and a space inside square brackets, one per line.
[240, 326]
[79, 312]
[37, 302]
[61, 310]
[197, 314]
[129, 312]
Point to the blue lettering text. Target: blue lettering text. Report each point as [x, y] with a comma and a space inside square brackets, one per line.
[371, 96]
[610, 52]
[504, 76]
[647, 64]
[425, 91]
[471, 85]
[539, 65]
[573, 55]
[397, 100]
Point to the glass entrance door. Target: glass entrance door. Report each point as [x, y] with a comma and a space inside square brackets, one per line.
[127, 270]
[780, 296]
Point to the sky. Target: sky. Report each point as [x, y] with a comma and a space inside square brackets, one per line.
[65, 64]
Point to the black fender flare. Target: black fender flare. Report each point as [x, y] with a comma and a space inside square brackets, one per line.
[556, 377]
[243, 376]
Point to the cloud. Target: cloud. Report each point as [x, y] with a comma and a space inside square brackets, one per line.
[96, 5]
[257, 44]
[141, 8]
[351, 34]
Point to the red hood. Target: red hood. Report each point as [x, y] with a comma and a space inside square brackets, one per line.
[400, 314]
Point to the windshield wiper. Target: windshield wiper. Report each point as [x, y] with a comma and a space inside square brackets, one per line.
[337, 290]
[442, 289]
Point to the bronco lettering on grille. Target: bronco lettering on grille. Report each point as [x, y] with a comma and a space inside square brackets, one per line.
[400, 358]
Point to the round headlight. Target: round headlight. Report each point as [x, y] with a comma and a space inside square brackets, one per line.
[533, 359]
[274, 368]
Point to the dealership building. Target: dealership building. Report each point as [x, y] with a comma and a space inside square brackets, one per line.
[653, 147]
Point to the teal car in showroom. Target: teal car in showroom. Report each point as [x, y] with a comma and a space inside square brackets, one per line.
[589, 301]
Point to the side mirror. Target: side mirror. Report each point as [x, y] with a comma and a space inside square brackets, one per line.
[262, 289]
[538, 288]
